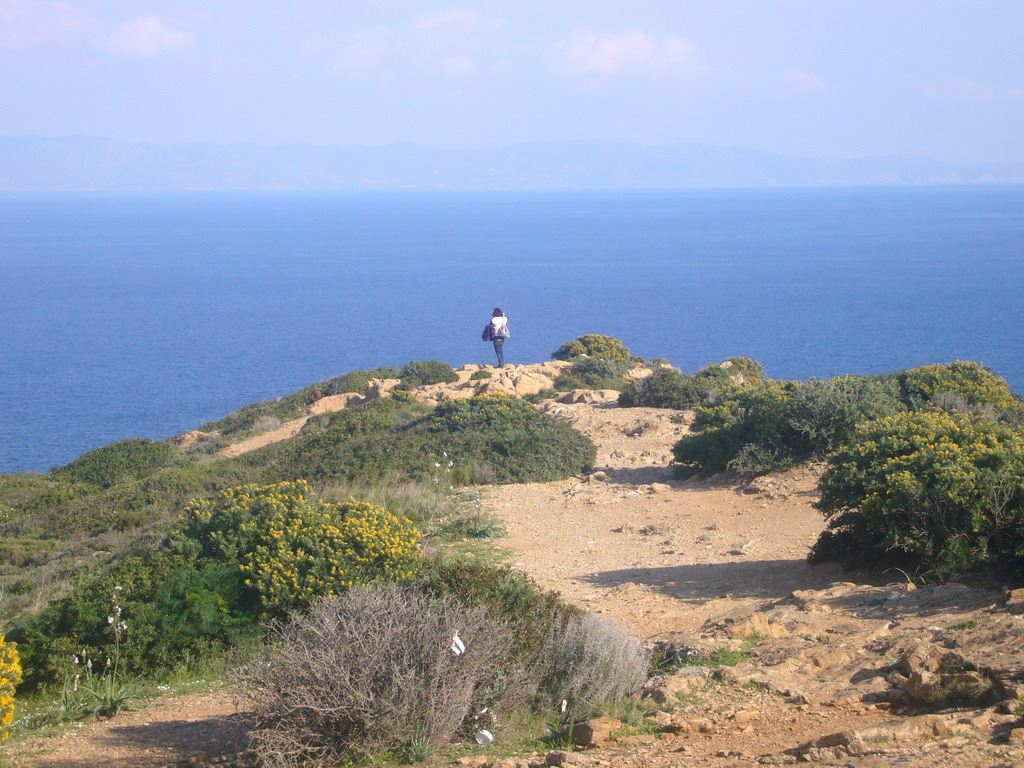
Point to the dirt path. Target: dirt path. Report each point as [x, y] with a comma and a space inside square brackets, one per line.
[171, 731]
[286, 431]
[660, 555]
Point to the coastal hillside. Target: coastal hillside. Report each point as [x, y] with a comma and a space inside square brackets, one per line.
[686, 508]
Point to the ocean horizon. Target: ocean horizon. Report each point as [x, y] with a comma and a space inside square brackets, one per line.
[146, 315]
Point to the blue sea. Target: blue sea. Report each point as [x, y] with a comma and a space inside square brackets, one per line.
[132, 315]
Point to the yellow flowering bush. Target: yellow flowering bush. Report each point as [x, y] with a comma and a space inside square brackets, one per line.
[10, 676]
[942, 489]
[293, 547]
[976, 384]
[595, 345]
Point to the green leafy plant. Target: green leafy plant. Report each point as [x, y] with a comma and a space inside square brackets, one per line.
[128, 459]
[110, 692]
[419, 372]
[772, 424]
[667, 388]
[599, 372]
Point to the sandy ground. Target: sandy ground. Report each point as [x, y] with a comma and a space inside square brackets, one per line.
[657, 554]
[169, 731]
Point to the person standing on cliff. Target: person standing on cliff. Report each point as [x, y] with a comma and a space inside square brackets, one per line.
[496, 331]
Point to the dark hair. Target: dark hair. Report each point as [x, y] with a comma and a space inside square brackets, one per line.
[497, 312]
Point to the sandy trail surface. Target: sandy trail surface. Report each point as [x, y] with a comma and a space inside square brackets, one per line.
[658, 554]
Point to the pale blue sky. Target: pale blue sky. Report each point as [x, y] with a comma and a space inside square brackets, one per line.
[820, 78]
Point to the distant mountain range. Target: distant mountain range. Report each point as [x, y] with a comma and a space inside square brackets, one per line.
[79, 164]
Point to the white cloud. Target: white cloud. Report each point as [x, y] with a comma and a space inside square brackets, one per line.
[587, 52]
[26, 22]
[458, 18]
[146, 36]
[965, 89]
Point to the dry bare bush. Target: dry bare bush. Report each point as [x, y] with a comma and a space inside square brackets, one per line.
[266, 423]
[588, 661]
[371, 671]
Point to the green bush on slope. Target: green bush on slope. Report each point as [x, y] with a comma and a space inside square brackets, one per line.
[943, 491]
[511, 442]
[129, 459]
[774, 424]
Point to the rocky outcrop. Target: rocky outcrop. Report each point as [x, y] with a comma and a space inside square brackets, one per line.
[590, 397]
[336, 403]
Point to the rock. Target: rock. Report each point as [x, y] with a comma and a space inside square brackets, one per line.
[590, 396]
[1014, 600]
[758, 623]
[474, 761]
[637, 373]
[335, 403]
[380, 388]
[918, 659]
[191, 438]
[594, 731]
[664, 690]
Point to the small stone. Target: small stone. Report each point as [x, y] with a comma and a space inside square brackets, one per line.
[594, 731]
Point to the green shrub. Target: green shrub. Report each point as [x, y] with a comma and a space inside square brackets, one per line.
[420, 372]
[128, 459]
[251, 552]
[666, 388]
[490, 438]
[974, 383]
[943, 490]
[173, 606]
[599, 372]
[21, 552]
[496, 412]
[294, 547]
[480, 375]
[774, 424]
[566, 383]
[594, 345]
